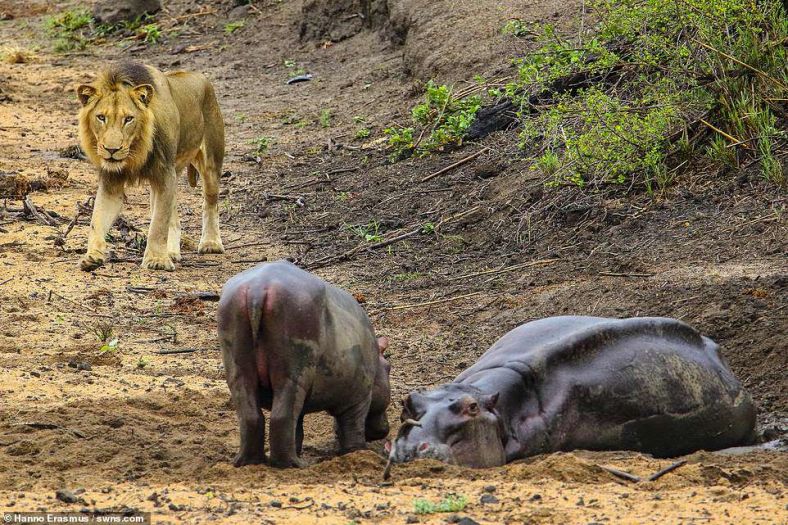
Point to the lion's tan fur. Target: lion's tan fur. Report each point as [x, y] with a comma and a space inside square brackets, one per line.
[139, 124]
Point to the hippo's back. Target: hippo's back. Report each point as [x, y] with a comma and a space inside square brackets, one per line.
[649, 384]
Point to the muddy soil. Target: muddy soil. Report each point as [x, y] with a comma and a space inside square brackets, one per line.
[124, 426]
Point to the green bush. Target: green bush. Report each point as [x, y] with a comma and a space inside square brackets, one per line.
[451, 503]
[441, 119]
[657, 81]
[70, 29]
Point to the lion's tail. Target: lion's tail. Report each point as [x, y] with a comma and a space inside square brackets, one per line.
[193, 175]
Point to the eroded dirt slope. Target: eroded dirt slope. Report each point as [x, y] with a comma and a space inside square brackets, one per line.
[138, 429]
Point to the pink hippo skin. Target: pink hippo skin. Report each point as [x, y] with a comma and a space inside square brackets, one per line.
[293, 344]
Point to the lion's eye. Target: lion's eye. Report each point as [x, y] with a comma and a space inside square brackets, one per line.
[101, 118]
[127, 120]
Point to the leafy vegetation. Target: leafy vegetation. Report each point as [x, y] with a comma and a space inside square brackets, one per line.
[75, 29]
[325, 118]
[442, 119]
[659, 81]
[370, 232]
[451, 503]
[232, 27]
[261, 145]
[71, 29]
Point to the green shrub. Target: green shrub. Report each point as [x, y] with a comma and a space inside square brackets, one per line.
[441, 119]
[70, 29]
[654, 71]
[451, 503]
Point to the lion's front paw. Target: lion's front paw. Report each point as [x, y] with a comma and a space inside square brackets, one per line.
[214, 246]
[91, 261]
[158, 262]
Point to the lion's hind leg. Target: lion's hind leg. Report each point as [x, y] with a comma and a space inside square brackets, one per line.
[209, 164]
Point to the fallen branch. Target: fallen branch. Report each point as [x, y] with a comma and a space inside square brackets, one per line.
[655, 476]
[506, 269]
[455, 165]
[386, 242]
[621, 474]
[436, 301]
[298, 199]
[755, 70]
[42, 217]
[616, 274]
[82, 209]
[177, 351]
[81, 306]
[247, 245]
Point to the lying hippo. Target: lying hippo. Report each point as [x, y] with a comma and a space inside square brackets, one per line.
[294, 344]
[647, 384]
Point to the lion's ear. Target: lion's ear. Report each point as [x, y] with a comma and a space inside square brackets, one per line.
[143, 93]
[84, 92]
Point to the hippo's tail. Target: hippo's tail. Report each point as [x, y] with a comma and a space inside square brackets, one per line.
[254, 307]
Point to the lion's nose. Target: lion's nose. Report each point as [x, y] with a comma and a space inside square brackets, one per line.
[111, 151]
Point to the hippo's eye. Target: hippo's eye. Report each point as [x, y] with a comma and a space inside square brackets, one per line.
[101, 118]
[128, 119]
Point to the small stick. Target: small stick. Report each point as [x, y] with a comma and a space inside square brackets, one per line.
[615, 274]
[753, 69]
[247, 245]
[311, 503]
[249, 261]
[164, 351]
[387, 470]
[621, 474]
[83, 306]
[7, 280]
[274, 197]
[655, 476]
[456, 164]
[506, 269]
[29, 206]
[436, 301]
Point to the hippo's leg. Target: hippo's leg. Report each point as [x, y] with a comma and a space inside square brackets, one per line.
[300, 434]
[252, 425]
[287, 406]
[350, 426]
[241, 373]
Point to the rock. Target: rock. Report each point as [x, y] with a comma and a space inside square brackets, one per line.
[66, 496]
[276, 504]
[488, 488]
[488, 498]
[115, 11]
[240, 12]
[466, 521]
[411, 519]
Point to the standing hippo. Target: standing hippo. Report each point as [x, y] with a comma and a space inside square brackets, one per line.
[293, 344]
[653, 385]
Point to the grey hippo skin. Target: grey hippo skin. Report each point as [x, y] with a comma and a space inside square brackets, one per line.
[294, 344]
[653, 385]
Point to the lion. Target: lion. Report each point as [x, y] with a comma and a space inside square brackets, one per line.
[139, 124]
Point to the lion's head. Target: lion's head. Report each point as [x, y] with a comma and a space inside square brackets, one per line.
[116, 122]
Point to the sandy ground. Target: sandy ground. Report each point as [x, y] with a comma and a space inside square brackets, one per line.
[132, 429]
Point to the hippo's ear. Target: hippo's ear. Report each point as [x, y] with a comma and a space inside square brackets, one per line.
[413, 406]
[383, 344]
[490, 401]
